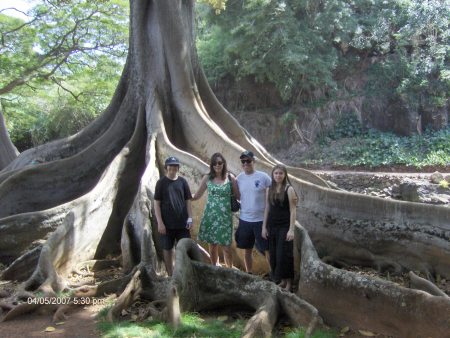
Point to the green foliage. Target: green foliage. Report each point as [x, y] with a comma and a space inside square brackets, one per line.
[60, 38]
[288, 118]
[374, 148]
[270, 40]
[443, 184]
[301, 333]
[305, 47]
[346, 126]
[59, 69]
[417, 65]
[192, 325]
[218, 5]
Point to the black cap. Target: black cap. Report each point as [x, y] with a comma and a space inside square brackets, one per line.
[172, 161]
[248, 154]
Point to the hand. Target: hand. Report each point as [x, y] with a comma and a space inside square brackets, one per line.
[189, 223]
[264, 233]
[161, 228]
[290, 235]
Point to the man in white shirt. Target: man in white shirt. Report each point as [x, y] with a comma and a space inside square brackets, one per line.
[252, 188]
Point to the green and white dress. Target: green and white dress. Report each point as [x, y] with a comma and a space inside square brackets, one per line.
[216, 226]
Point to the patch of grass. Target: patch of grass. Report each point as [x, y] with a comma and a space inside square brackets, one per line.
[300, 333]
[192, 325]
[101, 315]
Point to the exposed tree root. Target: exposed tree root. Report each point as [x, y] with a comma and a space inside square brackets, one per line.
[20, 310]
[420, 283]
[45, 275]
[197, 286]
[203, 287]
[128, 296]
[262, 322]
[102, 289]
[367, 303]
[94, 265]
[6, 306]
[60, 313]
[4, 293]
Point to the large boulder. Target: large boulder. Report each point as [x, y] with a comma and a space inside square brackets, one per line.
[436, 177]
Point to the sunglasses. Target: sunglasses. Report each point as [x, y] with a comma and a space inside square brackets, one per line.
[246, 161]
[217, 163]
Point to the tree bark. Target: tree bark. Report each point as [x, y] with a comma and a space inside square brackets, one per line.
[345, 298]
[8, 152]
[92, 195]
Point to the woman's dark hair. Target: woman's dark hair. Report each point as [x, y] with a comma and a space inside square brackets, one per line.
[214, 159]
[273, 195]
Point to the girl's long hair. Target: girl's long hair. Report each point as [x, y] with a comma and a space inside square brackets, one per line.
[273, 195]
[212, 173]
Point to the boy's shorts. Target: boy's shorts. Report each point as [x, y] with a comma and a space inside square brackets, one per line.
[172, 235]
[248, 234]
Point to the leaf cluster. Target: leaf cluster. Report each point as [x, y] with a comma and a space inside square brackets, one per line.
[59, 68]
[306, 47]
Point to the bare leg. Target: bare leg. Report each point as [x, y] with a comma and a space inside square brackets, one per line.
[227, 256]
[214, 254]
[168, 261]
[248, 260]
[282, 284]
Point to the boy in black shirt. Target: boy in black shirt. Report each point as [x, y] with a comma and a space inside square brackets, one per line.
[173, 209]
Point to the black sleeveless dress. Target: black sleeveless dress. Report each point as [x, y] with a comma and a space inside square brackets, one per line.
[281, 251]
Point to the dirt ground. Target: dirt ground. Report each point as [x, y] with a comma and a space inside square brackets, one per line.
[79, 324]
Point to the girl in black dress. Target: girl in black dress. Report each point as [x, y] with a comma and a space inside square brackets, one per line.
[278, 226]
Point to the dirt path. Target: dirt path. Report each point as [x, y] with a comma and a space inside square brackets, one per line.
[79, 324]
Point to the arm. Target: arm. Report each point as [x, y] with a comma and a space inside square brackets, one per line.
[235, 187]
[201, 189]
[293, 211]
[189, 222]
[161, 225]
[264, 232]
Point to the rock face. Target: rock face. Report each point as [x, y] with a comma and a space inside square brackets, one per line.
[422, 188]
[407, 191]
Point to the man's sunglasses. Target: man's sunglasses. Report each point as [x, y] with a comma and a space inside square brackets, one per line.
[217, 163]
[246, 161]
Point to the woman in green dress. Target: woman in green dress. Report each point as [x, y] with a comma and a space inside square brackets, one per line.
[216, 226]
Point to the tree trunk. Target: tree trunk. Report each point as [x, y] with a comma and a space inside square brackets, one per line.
[92, 194]
[8, 152]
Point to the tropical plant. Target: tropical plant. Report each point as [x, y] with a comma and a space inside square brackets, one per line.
[67, 56]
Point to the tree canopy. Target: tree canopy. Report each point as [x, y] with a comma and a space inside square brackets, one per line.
[69, 55]
[396, 51]
[302, 45]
